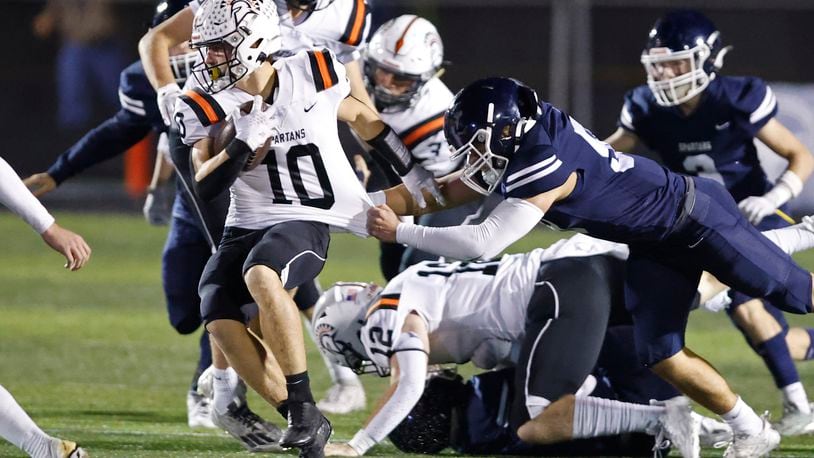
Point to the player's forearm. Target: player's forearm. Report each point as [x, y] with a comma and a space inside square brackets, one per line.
[218, 173]
[802, 163]
[507, 223]
[154, 47]
[455, 193]
[17, 198]
[108, 140]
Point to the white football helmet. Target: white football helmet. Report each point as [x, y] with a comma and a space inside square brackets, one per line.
[248, 33]
[409, 48]
[338, 318]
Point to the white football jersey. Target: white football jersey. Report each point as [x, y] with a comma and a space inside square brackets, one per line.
[421, 128]
[339, 25]
[473, 311]
[305, 175]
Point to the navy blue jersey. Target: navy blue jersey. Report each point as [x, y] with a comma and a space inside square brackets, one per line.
[137, 117]
[617, 197]
[716, 140]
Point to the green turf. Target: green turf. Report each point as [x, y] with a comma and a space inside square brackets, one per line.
[91, 355]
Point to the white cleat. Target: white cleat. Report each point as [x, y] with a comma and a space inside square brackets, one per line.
[794, 422]
[343, 398]
[254, 433]
[206, 383]
[761, 444]
[678, 427]
[199, 411]
[713, 432]
[68, 449]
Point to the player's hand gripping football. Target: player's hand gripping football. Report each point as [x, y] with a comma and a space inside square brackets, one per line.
[69, 244]
[254, 127]
[40, 184]
[419, 179]
[382, 223]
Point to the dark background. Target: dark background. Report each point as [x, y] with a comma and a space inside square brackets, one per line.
[772, 40]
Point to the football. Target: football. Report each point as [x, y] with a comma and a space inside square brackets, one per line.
[227, 134]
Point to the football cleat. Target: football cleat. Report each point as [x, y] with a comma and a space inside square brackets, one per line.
[343, 398]
[69, 449]
[254, 433]
[199, 411]
[678, 427]
[794, 422]
[712, 432]
[304, 423]
[316, 449]
[744, 446]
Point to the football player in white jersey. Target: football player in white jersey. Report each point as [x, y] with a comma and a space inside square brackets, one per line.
[15, 425]
[286, 197]
[544, 312]
[403, 64]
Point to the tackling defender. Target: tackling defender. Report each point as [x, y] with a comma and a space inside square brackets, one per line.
[547, 164]
[15, 425]
[703, 123]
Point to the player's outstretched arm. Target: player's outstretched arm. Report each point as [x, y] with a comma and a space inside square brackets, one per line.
[367, 124]
[408, 372]
[401, 201]
[622, 140]
[15, 196]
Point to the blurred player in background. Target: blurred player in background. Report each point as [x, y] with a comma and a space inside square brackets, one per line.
[15, 425]
[704, 124]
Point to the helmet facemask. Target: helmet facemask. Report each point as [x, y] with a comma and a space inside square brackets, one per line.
[483, 169]
[679, 88]
[386, 100]
[233, 39]
[182, 65]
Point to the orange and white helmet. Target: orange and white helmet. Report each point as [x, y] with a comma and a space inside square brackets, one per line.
[409, 48]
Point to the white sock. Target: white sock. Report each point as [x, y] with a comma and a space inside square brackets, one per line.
[224, 383]
[605, 417]
[792, 239]
[743, 420]
[19, 429]
[795, 395]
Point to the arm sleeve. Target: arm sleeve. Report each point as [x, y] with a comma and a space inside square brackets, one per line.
[110, 139]
[18, 199]
[412, 359]
[510, 220]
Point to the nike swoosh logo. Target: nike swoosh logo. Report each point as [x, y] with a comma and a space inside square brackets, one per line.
[722, 126]
[309, 108]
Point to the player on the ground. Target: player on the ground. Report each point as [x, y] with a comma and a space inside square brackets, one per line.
[283, 199]
[15, 425]
[525, 311]
[703, 123]
[546, 164]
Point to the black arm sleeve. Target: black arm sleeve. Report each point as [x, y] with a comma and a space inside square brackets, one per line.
[225, 174]
[389, 145]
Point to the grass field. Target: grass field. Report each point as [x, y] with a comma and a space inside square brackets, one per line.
[91, 355]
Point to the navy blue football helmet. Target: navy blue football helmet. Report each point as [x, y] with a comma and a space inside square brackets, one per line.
[682, 55]
[485, 122]
[180, 63]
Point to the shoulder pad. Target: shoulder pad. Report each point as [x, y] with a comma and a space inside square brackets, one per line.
[358, 23]
[206, 108]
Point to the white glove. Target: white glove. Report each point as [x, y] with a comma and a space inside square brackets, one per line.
[755, 208]
[417, 179]
[255, 127]
[158, 205]
[718, 302]
[167, 95]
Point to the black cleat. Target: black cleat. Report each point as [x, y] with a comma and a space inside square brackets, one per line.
[304, 421]
[317, 448]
